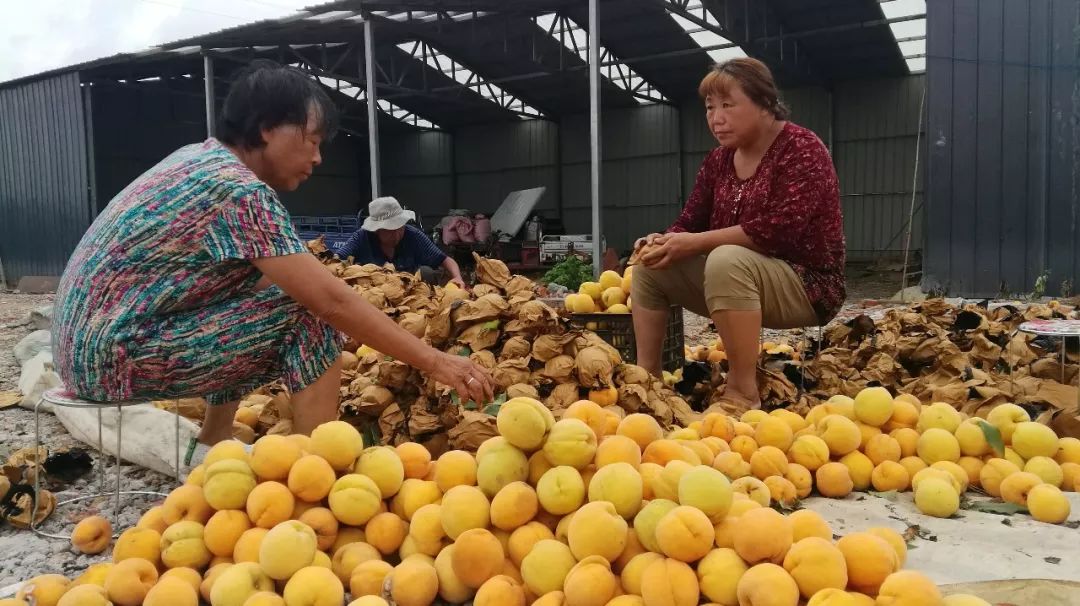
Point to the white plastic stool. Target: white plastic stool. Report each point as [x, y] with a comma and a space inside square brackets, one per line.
[59, 396]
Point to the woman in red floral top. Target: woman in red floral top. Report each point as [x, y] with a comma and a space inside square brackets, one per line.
[760, 241]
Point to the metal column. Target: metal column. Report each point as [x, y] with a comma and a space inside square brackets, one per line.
[91, 158]
[594, 136]
[372, 107]
[208, 81]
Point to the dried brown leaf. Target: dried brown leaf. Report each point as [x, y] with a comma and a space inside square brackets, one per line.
[632, 397]
[511, 372]
[518, 284]
[559, 369]
[479, 337]
[491, 271]
[484, 358]
[487, 307]
[515, 347]
[522, 390]
[472, 431]
[594, 368]
[414, 323]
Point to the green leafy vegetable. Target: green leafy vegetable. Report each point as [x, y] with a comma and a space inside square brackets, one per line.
[570, 272]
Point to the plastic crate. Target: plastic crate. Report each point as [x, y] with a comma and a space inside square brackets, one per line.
[617, 330]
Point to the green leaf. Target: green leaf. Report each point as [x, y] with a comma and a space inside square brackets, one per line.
[993, 437]
[492, 325]
[371, 434]
[889, 495]
[496, 405]
[999, 508]
[456, 399]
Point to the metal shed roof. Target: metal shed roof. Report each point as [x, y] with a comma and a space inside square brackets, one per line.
[457, 62]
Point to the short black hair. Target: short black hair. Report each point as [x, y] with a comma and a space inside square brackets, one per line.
[264, 95]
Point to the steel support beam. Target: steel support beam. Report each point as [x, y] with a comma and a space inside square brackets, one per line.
[751, 25]
[91, 155]
[372, 108]
[834, 29]
[595, 155]
[208, 80]
[575, 68]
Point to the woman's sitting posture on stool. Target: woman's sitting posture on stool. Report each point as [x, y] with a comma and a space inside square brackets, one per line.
[760, 241]
[193, 282]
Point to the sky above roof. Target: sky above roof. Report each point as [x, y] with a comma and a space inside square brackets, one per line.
[40, 35]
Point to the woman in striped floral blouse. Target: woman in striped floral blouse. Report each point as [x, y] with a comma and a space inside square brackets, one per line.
[192, 281]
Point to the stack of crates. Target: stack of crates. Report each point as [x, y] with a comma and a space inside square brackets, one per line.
[334, 230]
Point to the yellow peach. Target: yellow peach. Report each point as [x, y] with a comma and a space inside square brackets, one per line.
[92, 535]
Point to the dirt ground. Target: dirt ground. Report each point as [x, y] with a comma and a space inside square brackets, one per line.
[14, 325]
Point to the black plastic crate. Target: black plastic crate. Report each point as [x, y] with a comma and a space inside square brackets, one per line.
[618, 331]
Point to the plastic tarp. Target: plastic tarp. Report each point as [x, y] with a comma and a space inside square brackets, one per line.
[148, 433]
[970, 547]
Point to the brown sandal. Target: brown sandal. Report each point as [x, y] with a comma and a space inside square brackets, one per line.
[731, 404]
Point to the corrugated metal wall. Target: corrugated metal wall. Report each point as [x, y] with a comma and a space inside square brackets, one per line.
[477, 166]
[418, 169]
[651, 156]
[136, 126]
[875, 133]
[640, 178]
[1004, 172]
[493, 160]
[44, 187]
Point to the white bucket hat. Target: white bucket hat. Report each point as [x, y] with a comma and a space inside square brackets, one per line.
[386, 213]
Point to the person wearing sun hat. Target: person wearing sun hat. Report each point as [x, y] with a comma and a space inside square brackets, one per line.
[387, 237]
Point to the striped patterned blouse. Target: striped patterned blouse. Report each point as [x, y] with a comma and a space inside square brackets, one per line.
[179, 237]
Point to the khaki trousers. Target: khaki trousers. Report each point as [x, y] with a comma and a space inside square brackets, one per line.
[729, 278]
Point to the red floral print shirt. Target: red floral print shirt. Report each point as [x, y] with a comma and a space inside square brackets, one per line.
[790, 208]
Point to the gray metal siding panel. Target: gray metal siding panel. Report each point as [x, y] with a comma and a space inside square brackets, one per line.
[1014, 127]
[876, 130]
[988, 139]
[643, 166]
[1004, 105]
[1064, 129]
[417, 154]
[44, 197]
[338, 186]
[493, 160]
[491, 147]
[137, 126]
[640, 173]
